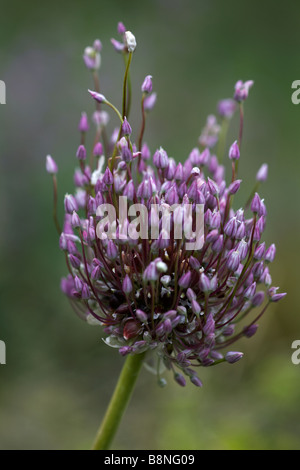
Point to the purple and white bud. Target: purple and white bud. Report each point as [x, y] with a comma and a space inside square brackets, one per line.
[262, 173]
[98, 150]
[270, 253]
[108, 178]
[209, 327]
[233, 260]
[51, 166]
[81, 152]
[97, 96]
[111, 250]
[150, 101]
[258, 299]
[204, 283]
[231, 227]
[70, 204]
[250, 331]
[260, 251]
[185, 280]
[250, 291]
[256, 204]
[180, 379]
[234, 151]
[241, 90]
[234, 186]
[75, 220]
[160, 159]
[126, 127]
[83, 125]
[141, 316]
[127, 285]
[147, 84]
[226, 108]
[232, 357]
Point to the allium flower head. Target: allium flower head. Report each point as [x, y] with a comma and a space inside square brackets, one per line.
[147, 288]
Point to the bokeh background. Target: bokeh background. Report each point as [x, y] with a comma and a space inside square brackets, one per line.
[59, 374]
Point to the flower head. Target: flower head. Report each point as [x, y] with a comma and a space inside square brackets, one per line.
[146, 287]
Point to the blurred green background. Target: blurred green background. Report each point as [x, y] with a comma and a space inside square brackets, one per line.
[59, 374]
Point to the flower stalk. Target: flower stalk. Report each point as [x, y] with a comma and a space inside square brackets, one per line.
[119, 401]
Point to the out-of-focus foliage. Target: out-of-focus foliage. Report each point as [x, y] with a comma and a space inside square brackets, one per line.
[59, 374]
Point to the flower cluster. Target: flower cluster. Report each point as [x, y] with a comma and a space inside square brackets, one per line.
[155, 295]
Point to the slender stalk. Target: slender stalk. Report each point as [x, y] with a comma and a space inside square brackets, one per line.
[119, 401]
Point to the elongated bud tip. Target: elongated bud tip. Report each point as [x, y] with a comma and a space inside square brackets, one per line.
[147, 84]
[262, 173]
[51, 166]
[97, 96]
[232, 357]
[234, 151]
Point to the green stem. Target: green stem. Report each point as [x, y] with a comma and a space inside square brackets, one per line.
[119, 401]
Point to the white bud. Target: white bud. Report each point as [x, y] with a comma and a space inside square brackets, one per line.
[161, 267]
[130, 41]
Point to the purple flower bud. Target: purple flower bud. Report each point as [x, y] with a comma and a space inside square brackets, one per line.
[258, 269]
[242, 248]
[204, 157]
[78, 283]
[232, 357]
[160, 159]
[97, 96]
[81, 153]
[127, 285]
[121, 28]
[258, 299]
[194, 263]
[85, 293]
[97, 45]
[255, 204]
[241, 231]
[250, 291]
[242, 90]
[228, 330]
[70, 204]
[141, 316]
[126, 154]
[129, 191]
[212, 187]
[147, 84]
[262, 173]
[191, 294]
[75, 220]
[118, 46]
[234, 187]
[83, 125]
[108, 177]
[196, 381]
[178, 176]
[180, 379]
[226, 108]
[170, 172]
[273, 296]
[185, 280]
[209, 327]
[204, 283]
[151, 273]
[126, 127]
[217, 246]
[172, 196]
[51, 166]
[233, 260]
[75, 262]
[98, 150]
[195, 307]
[95, 274]
[231, 227]
[270, 253]
[124, 350]
[250, 331]
[260, 251]
[150, 101]
[234, 151]
[111, 250]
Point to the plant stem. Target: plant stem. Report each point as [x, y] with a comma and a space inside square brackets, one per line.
[119, 401]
